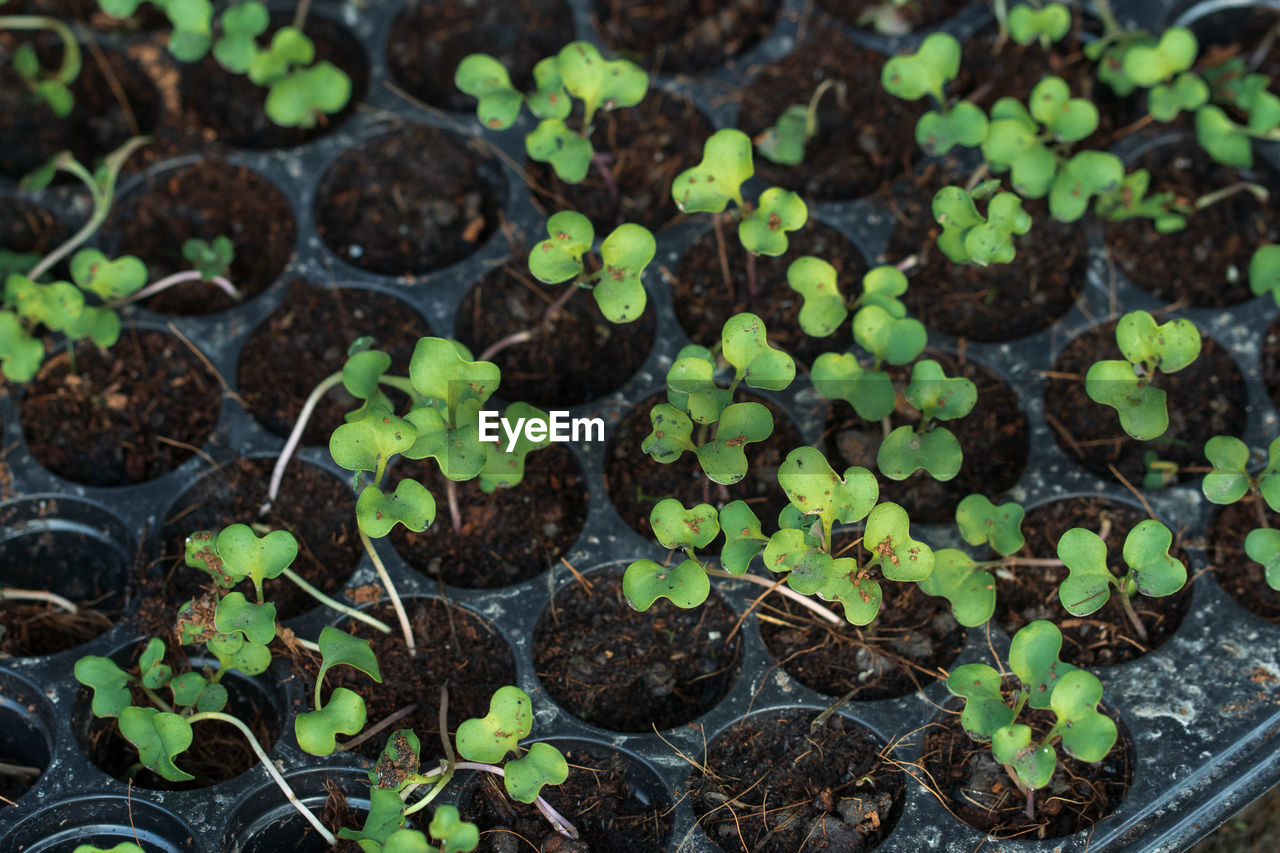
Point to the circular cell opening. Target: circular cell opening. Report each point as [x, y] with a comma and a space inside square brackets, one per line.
[103, 821]
[265, 822]
[25, 739]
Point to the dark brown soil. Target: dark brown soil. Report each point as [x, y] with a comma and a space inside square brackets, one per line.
[104, 115]
[232, 107]
[1271, 362]
[674, 36]
[1240, 31]
[455, 649]
[429, 39]
[379, 209]
[1001, 302]
[636, 482]
[904, 649]
[1026, 593]
[204, 201]
[550, 370]
[507, 537]
[80, 568]
[775, 785]
[218, 751]
[1205, 399]
[651, 144]
[1207, 263]
[628, 671]
[147, 17]
[604, 797]
[321, 322]
[703, 301]
[1242, 578]
[314, 505]
[862, 141]
[979, 791]
[27, 227]
[919, 14]
[994, 438]
[23, 746]
[126, 416]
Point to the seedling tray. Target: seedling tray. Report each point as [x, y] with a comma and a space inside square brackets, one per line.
[1202, 711]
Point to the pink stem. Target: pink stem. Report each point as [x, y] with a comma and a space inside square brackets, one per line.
[178, 278]
[558, 821]
[506, 343]
[602, 162]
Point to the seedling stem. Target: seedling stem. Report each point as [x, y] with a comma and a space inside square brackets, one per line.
[390, 587]
[10, 594]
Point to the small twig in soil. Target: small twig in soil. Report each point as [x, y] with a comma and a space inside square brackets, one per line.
[786, 591]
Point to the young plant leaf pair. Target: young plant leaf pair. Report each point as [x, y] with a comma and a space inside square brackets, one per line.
[724, 428]
[1230, 481]
[617, 285]
[578, 72]
[957, 577]
[1045, 683]
[927, 71]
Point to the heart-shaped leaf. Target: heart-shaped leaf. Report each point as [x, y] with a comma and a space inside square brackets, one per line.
[1228, 482]
[192, 689]
[687, 529]
[764, 230]
[159, 737]
[1032, 764]
[369, 443]
[859, 594]
[743, 538]
[1148, 64]
[809, 567]
[671, 435]
[234, 652]
[964, 124]
[724, 458]
[440, 370]
[542, 765]
[783, 143]
[1088, 586]
[1069, 119]
[152, 669]
[411, 504]
[559, 258]
[568, 152]
[549, 99]
[970, 589]
[503, 467]
[816, 490]
[882, 286]
[717, 180]
[1142, 409]
[685, 585]
[236, 614]
[905, 451]
[745, 345]
[839, 376]
[985, 711]
[1187, 92]
[597, 82]
[448, 828]
[20, 354]
[1087, 733]
[888, 338]
[1168, 347]
[823, 310]
[298, 99]
[317, 730]
[1269, 478]
[911, 76]
[108, 682]
[1027, 23]
[1033, 657]
[489, 739]
[1152, 570]
[483, 77]
[338, 648]
[937, 396]
[1085, 175]
[1262, 546]
[888, 537]
[620, 291]
[246, 555]
[109, 279]
[362, 371]
[981, 522]
[691, 385]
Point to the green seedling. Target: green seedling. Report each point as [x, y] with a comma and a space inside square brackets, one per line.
[122, 847]
[51, 87]
[1044, 683]
[935, 449]
[889, 17]
[486, 743]
[1090, 582]
[784, 142]
[927, 71]
[1230, 481]
[967, 236]
[1158, 473]
[1129, 61]
[723, 428]
[85, 307]
[1030, 22]
[617, 283]
[1128, 386]
[301, 91]
[801, 551]
[577, 72]
[717, 180]
[967, 583]
[1264, 272]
